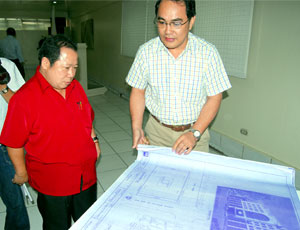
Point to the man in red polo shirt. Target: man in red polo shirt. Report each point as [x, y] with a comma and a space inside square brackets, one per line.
[51, 118]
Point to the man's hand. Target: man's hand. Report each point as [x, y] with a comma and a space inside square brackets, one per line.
[98, 150]
[138, 137]
[20, 178]
[185, 143]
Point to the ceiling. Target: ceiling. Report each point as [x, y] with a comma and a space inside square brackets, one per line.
[72, 7]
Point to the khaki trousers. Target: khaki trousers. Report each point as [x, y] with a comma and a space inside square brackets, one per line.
[160, 135]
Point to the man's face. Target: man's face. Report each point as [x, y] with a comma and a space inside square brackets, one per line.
[62, 72]
[175, 39]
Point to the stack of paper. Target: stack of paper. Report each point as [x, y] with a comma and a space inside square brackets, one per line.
[163, 190]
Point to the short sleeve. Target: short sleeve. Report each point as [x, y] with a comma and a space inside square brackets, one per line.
[137, 76]
[216, 75]
[17, 119]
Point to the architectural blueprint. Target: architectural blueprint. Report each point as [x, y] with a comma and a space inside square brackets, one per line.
[165, 191]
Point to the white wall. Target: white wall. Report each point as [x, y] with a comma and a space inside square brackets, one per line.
[267, 103]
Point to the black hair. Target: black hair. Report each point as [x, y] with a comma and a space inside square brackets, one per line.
[11, 31]
[41, 41]
[51, 47]
[189, 4]
[4, 75]
[2, 69]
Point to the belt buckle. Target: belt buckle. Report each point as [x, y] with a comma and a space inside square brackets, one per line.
[178, 128]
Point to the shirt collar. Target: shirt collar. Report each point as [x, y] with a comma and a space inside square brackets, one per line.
[189, 45]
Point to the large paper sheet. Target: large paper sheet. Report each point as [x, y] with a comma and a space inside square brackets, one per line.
[163, 190]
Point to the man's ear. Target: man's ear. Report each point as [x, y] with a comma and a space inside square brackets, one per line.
[45, 63]
[192, 21]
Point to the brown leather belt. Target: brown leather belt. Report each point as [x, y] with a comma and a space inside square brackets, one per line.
[176, 128]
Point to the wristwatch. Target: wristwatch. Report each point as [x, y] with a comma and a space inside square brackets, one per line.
[4, 91]
[95, 139]
[196, 133]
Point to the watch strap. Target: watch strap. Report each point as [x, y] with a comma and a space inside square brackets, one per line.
[194, 131]
[95, 139]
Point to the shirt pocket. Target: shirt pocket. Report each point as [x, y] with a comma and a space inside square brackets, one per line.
[159, 85]
[82, 113]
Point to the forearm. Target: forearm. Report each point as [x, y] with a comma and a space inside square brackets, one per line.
[93, 135]
[137, 107]
[17, 157]
[208, 112]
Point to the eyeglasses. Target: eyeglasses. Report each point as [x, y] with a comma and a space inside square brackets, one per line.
[173, 25]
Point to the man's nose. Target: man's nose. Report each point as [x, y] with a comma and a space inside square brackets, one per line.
[72, 72]
[168, 27]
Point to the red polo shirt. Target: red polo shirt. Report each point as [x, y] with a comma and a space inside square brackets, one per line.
[56, 134]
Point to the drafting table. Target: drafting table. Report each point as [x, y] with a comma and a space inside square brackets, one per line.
[164, 191]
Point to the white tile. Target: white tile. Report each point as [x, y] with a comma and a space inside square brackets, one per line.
[116, 136]
[100, 115]
[35, 218]
[98, 111]
[231, 148]
[2, 219]
[99, 123]
[101, 138]
[107, 178]
[109, 162]
[106, 149]
[104, 106]
[117, 116]
[109, 128]
[129, 157]
[2, 206]
[122, 119]
[126, 127]
[125, 107]
[111, 110]
[121, 146]
[251, 154]
[100, 190]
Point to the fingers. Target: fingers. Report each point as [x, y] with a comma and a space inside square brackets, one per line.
[139, 138]
[145, 141]
[98, 154]
[17, 183]
[19, 180]
[135, 142]
[182, 148]
[98, 151]
[188, 150]
[184, 144]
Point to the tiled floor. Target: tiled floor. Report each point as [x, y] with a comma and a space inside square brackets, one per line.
[112, 124]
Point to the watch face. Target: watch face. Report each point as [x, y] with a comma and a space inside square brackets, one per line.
[4, 91]
[197, 134]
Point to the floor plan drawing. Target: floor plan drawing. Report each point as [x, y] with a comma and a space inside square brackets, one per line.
[165, 191]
